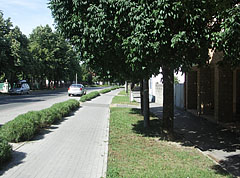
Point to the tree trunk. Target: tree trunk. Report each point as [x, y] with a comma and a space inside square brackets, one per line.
[168, 100]
[146, 103]
[141, 95]
[126, 86]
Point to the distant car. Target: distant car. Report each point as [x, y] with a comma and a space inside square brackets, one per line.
[76, 89]
[21, 87]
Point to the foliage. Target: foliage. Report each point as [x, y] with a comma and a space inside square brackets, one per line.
[14, 54]
[5, 151]
[108, 90]
[89, 96]
[133, 39]
[54, 58]
[228, 39]
[105, 90]
[25, 126]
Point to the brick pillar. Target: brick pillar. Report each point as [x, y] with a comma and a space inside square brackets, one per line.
[238, 92]
[205, 89]
[191, 90]
[223, 94]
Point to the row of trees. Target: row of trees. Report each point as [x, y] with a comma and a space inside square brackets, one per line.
[133, 39]
[44, 55]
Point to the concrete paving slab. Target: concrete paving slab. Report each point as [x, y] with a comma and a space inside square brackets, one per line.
[76, 147]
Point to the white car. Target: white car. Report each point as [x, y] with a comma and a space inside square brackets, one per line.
[76, 89]
[21, 88]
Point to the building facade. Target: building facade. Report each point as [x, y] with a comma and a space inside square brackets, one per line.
[214, 91]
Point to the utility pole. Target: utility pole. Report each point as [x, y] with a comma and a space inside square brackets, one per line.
[76, 78]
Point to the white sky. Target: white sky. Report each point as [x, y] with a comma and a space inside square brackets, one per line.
[27, 14]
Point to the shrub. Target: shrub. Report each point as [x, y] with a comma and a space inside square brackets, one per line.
[25, 126]
[20, 129]
[89, 96]
[105, 90]
[5, 151]
[114, 88]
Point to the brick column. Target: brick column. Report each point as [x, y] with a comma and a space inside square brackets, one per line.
[238, 92]
[205, 99]
[223, 94]
[191, 90]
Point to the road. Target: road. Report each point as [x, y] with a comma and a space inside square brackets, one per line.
[13, 105]
[76, 147]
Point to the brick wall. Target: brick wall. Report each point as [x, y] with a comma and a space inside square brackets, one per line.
[224, 104]
[191, 87]
[206, 90]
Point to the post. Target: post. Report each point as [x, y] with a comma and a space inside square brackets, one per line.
[76, 78]
[146, 103]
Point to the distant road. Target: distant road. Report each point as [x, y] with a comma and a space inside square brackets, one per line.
[13, 105]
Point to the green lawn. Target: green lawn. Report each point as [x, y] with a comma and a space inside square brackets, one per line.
[123, 98]
[136, 152]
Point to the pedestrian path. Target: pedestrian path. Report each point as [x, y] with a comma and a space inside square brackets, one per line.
[219, 143]
[75, 148]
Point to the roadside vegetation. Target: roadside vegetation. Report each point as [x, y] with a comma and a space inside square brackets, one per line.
[25, 126]
[89, 96]
[123, 98]
[135, 151]
[95, 94]
[5, 151]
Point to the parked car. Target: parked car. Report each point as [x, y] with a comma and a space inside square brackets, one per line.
[76, 89]
[21, 87]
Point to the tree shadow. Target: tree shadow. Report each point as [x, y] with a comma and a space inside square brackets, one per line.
[231, 164]
[17, 158]
[202, 133]
[155, 130]
[191, 130]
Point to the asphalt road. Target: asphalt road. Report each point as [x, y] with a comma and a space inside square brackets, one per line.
[13, 105]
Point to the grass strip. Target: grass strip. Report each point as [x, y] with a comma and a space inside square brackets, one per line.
[135, 151]
[89, 96]
[25, 126]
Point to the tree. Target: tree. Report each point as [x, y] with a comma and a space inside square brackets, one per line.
[228, 38]
[55, 59]
[138, 37]
[14, 54]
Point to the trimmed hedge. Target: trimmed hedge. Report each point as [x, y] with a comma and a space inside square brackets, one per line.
[108, 89]
[89, 96]
[25, 126]
[105, 90]
[5, 151]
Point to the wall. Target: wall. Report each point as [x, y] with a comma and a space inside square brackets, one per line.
[179, 95]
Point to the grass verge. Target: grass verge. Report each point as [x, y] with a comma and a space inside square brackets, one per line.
[135, 151]
[123, 99]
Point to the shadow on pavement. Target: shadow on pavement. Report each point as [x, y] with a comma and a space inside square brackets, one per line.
[202, 133]
[17, 158]
[191, 130]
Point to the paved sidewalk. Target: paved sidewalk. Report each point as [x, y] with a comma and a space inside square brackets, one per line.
[219, 143]
[75, 148]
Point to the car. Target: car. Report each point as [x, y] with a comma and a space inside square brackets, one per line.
[76, 89]
[21, 87]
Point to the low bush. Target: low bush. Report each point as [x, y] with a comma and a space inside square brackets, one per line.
[89, 96]
[114, 88]
[5, 151]
[25, 126]
[108, 89]
[105, 90]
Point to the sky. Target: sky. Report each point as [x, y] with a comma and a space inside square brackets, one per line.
[27, 14]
